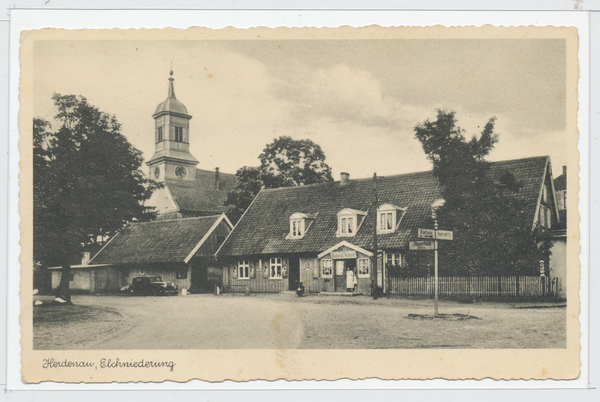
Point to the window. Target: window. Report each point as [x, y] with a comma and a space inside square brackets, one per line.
[275, 268]
[327, 268]
[159, 134]
[542, 215]
[349, 221]
[386, 221]
[299, 224]
[364, 267]
[297, 228]
[388, 218]
[545, 193]
[348, 225]
[179, 134]
[393, 259]
[181, 273]
[244, 269]
[548, 218]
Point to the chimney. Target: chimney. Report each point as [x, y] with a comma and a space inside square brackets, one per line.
[344, 178]
[565, 170]
[85, 258]
[217, 181]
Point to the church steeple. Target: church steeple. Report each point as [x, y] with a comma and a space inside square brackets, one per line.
[172, 158]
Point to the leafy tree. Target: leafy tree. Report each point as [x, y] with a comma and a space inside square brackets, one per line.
[491, 223]
[284, 163]
[87, 183]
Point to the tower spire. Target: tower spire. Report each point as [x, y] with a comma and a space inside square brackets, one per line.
[171, 86]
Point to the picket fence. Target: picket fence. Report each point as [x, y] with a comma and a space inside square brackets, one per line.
[524, 286]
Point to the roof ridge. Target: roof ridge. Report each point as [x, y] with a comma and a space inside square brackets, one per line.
[180, 219]
[399, 174]
[214, 171]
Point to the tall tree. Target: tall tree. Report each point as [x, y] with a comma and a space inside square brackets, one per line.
[283, 163]
[493, 234]
[87, 181]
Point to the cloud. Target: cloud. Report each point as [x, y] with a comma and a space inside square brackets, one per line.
[342, 93]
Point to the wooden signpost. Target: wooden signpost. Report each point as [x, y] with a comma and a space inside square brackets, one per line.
[434, 235]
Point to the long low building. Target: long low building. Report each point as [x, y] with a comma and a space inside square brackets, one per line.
[180, 251]
[317, 234]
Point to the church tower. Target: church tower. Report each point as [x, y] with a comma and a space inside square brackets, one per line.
[172, 160]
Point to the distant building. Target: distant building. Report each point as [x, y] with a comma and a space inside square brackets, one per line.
[558, 258]
[188, 191]
[317, 233]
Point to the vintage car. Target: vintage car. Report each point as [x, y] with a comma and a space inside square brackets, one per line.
[151, 285]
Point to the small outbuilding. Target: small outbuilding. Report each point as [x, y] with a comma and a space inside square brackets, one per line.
[180, 251]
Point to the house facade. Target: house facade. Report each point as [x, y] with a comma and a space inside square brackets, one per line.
[180, 251]
[323, 234]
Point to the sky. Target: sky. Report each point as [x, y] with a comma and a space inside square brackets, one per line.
[358, 99]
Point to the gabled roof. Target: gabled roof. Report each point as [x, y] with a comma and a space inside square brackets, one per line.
[265, 225]
[201, 196]
[161, 241]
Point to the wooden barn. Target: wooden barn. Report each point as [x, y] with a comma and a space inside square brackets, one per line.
[317, 233]
[180, 251]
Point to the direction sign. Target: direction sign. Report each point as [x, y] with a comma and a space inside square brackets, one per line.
[421, 245]
[435, 234]
[426, 233]
[444, 235]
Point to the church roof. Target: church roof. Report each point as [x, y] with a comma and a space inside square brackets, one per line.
[265, 226]
[171, 104]
[163, 241]
[203, 195]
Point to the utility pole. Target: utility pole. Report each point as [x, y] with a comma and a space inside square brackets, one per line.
[374, 290]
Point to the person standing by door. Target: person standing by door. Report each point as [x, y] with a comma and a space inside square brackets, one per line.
[350, 280]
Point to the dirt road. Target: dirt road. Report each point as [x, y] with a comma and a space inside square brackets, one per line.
[313, 322]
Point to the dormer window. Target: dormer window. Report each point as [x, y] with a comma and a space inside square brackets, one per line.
[299, 225]
[389, 217]
[349, 221]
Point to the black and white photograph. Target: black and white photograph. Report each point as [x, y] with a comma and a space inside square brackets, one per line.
[353, 192]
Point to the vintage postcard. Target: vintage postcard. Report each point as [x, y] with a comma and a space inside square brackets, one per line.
[299, 203]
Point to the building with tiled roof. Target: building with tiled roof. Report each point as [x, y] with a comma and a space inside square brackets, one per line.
[186, 191]
[559, 233]
[316, 233]
[180, 251]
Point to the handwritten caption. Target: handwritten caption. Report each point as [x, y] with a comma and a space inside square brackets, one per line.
[52, 363]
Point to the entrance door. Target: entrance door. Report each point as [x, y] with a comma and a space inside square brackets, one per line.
[340, 276]
[294, 274]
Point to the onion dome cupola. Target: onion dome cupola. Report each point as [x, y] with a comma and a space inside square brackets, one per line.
[172, 159]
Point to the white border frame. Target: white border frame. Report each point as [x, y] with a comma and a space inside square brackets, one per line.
[33, 19]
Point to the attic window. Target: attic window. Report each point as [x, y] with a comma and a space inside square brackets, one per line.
[299, 224]
[389, 217]
[349, 221]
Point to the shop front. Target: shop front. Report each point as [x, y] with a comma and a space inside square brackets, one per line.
[345, 268]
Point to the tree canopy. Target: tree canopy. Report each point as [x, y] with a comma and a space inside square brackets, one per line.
[87, 181]
[492, 229]
[283, 163]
